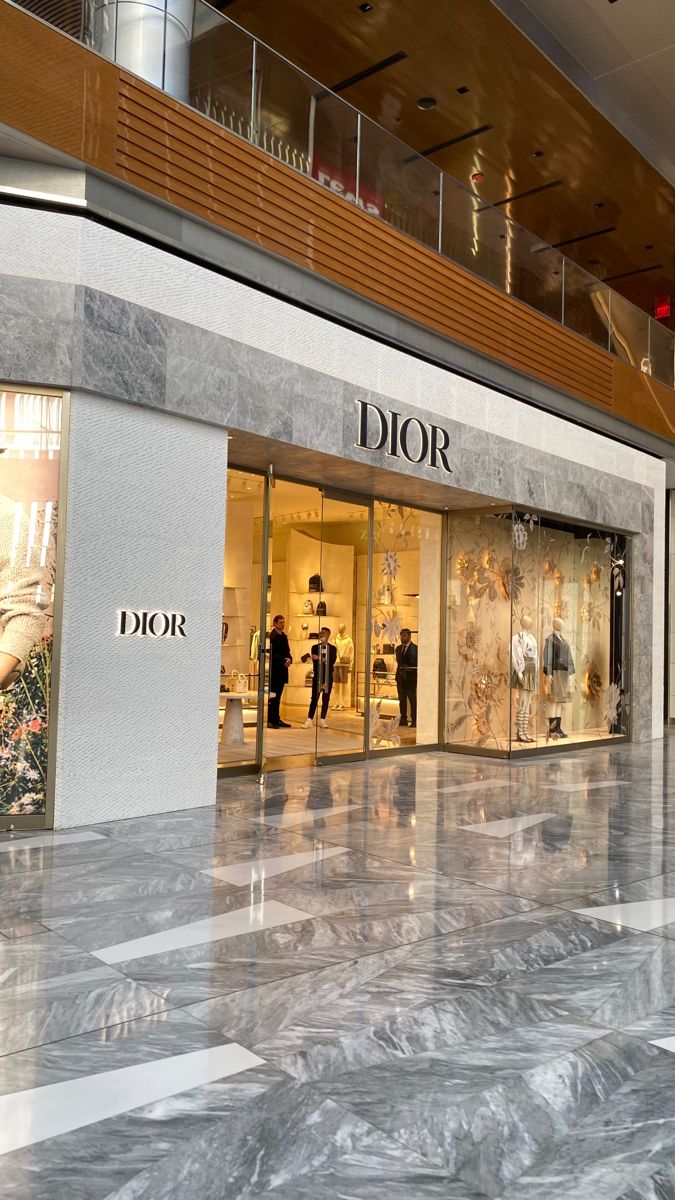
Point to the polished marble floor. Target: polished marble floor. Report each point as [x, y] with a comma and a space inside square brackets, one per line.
[427, 976]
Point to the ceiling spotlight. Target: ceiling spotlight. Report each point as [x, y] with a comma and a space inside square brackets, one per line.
[477, 177]
[537, 153]
[599, 204]
[365, 8]
[649, 247]
[426, 102]
[463, 90]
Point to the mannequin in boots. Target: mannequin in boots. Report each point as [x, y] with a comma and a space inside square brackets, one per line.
[558, 670]
[345, 657]
[322, 657]
[524, 664]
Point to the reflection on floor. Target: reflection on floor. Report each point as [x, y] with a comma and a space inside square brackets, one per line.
[431, 976]
[343, 735]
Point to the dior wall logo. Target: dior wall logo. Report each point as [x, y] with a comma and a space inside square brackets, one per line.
[133, 622]
[412, 438]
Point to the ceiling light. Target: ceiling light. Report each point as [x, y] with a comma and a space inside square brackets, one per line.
[649, 247]
[463, 90]
[477, 177]
[365, 8]
[537, 153]
[599, 204]
[426, 102]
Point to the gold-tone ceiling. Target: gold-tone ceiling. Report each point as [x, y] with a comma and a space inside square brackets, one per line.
[542, 130]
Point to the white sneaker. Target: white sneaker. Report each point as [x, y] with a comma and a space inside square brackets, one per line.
[307, 724]
[323, 723]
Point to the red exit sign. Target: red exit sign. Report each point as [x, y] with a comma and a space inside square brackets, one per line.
[662, 307]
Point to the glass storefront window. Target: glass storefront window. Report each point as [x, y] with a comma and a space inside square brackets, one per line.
[30, 445]
[537, 630]
[405, 627]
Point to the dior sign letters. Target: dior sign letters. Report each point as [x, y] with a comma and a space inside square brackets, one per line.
[411, 438]
[133, 622]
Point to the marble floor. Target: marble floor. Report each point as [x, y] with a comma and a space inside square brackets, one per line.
[425, 976]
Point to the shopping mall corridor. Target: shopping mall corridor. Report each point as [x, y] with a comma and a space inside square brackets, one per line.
[427, 976]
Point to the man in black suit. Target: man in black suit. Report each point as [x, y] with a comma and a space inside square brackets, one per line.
[323, 656]
[280, 661]
[406, 678]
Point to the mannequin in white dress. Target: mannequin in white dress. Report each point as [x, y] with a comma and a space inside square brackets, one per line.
[345, 660]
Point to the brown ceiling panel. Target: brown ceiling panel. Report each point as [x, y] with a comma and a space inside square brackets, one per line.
[513, 88]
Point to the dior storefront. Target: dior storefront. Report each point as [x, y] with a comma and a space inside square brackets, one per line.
[237, 535]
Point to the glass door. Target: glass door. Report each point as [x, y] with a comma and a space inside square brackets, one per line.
[338, 707]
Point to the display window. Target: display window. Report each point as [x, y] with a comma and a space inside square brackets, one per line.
[30, 444]
[536, 633]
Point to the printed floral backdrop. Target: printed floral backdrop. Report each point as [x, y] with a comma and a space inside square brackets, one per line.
[29, 468]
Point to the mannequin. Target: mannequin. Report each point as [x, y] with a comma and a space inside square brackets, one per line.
[558, 668]
[524, 664]
[345, 658]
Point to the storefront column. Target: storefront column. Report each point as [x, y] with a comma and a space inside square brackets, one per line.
[144, 524]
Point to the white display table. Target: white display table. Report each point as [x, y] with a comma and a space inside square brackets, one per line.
[232, 733]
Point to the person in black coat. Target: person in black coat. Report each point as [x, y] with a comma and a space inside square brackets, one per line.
[324, 656]
[406, 678]
[280, 661]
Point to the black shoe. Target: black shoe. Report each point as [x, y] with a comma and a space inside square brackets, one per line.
[284, 725]
[403, 724]
[271, 725]
[413, 724]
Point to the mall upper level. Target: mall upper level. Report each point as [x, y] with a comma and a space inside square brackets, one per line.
[208, 120]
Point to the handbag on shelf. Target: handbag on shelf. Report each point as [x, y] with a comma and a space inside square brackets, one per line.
[379, 668]
[315, 584]
[308, 607]
[239, 682]
[321, 609]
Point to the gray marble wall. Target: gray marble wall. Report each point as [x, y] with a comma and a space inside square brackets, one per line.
[76, 337]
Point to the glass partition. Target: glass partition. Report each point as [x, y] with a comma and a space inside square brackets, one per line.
[221, 58]
[586, 308]
[403, 188]
[661, 351]
[537, 633]
[629, 332]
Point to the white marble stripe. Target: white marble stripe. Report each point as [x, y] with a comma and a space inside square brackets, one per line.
[212, 929]
[255, 870]
[587, 787]
[45, 1112]
[667, 1043]
[507, 826]
[476, 785]
[50, 839]
[304, 816]
[635, 914]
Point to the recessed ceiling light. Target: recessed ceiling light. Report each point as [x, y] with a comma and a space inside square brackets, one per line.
[463, 90]
[425, 102]
[599, 204]
[649, 247]
[365, 8]
[537, 153]
[477, 177]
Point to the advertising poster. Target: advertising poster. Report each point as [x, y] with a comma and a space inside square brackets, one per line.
[30, 444]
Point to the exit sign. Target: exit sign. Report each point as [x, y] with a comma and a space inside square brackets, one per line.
[662, 308]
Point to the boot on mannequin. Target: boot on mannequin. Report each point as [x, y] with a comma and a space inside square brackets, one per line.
[558, 670]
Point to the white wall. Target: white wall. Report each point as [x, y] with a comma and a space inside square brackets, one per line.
[144, 523]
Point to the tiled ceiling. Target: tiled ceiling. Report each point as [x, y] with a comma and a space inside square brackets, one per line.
[580, 182]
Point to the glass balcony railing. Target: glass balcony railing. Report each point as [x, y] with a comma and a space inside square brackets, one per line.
[205, 60]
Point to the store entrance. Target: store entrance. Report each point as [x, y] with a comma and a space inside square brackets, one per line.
[317, 617]
[331, 612]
